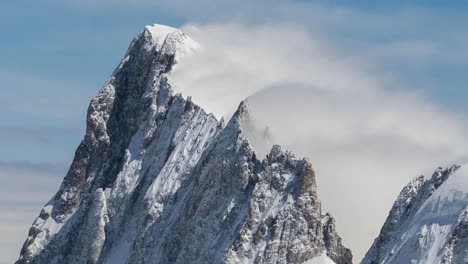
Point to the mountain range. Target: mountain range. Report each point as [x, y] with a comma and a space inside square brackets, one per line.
[157, 179]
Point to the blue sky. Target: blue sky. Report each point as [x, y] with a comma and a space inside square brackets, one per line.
[59, 53]
[55, 55]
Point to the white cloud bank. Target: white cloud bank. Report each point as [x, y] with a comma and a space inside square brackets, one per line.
[364, 133]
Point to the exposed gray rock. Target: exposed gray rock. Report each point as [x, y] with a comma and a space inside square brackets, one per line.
[335, 248]
[456, 250]
[158, 180]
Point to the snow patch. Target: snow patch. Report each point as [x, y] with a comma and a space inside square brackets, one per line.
[172, 39]
[160, 33]
[322, 259]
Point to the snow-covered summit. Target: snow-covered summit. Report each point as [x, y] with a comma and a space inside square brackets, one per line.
[160, 32]
[172, 39]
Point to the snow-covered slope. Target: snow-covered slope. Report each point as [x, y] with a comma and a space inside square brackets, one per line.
[428, 222]
[156, 179]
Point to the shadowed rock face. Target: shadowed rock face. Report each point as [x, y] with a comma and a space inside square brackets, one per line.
[456, 249]
[158, 180]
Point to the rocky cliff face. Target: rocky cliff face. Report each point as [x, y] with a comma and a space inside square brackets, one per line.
[428, 222]
[158, 180]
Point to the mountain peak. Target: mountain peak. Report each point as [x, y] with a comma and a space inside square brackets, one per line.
[156, 179]
[173, 40]
[160, 33]
[240, 117]
[242, 111]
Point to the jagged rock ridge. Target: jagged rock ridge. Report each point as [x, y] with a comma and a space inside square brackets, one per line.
[428, 222]
[158, 180]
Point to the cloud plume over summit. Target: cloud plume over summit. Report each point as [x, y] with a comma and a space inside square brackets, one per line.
[365, 134]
